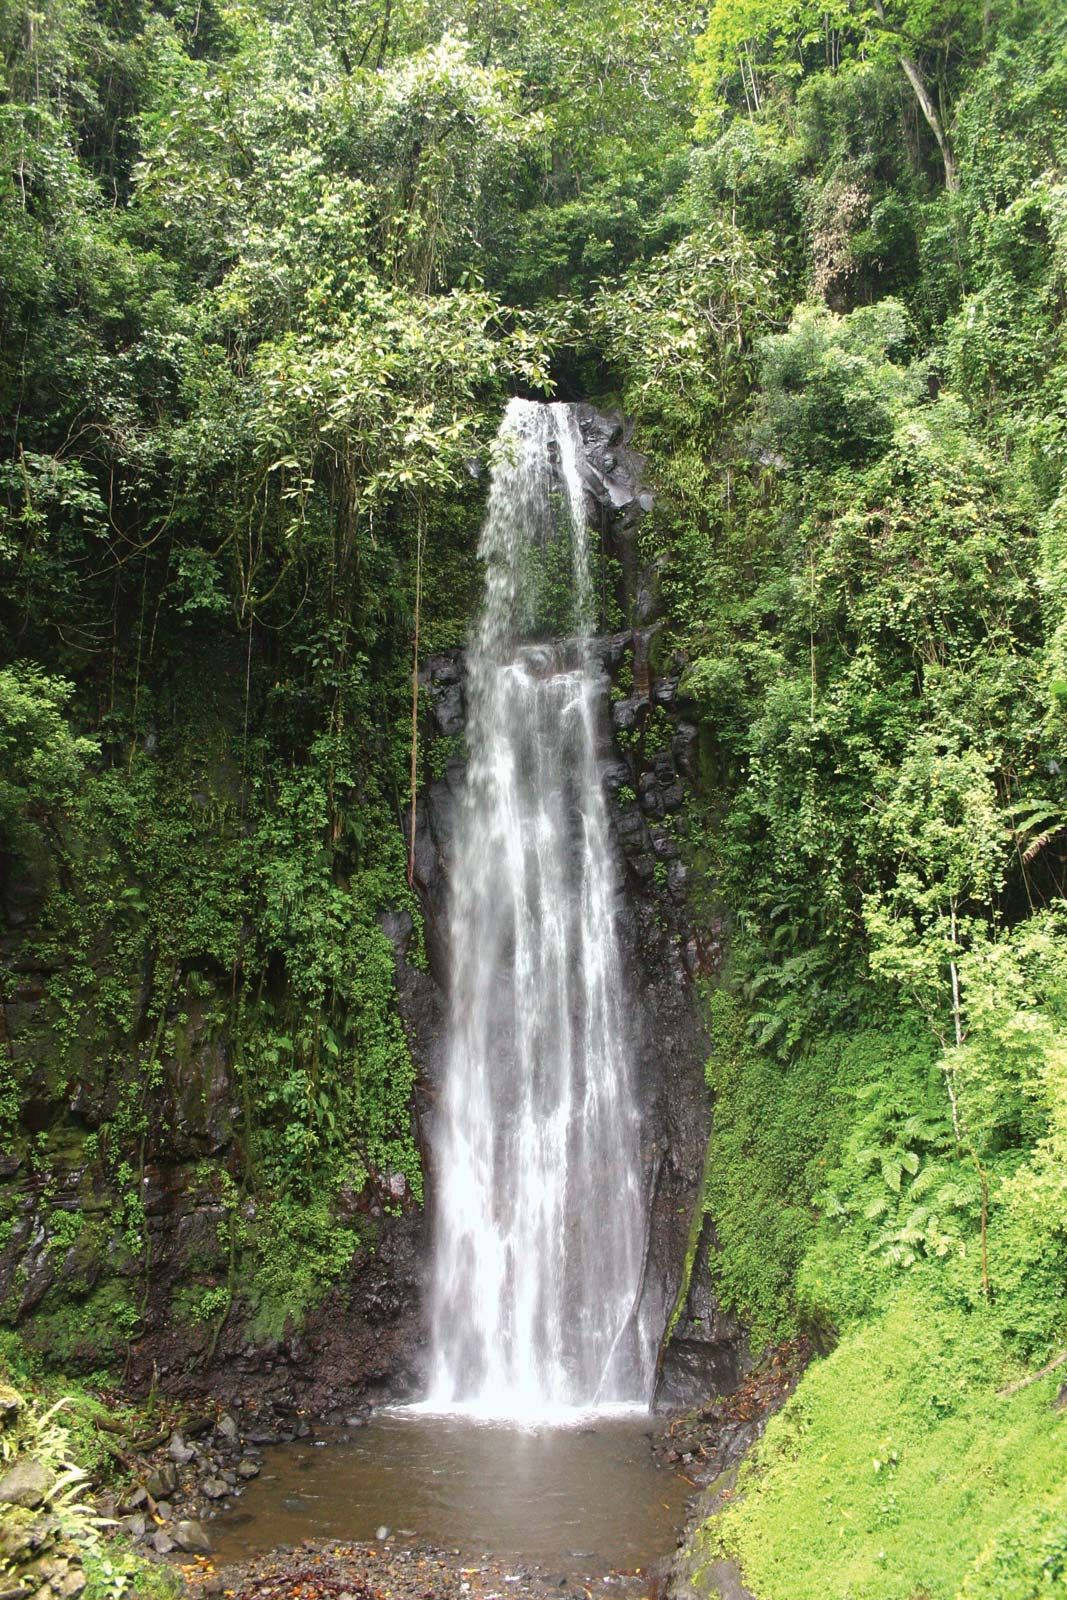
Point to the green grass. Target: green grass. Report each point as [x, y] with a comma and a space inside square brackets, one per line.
[897, 1472]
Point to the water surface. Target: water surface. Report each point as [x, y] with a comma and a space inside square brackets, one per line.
[581, 1499]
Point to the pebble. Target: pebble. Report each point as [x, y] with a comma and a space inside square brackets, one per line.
[344, 1571]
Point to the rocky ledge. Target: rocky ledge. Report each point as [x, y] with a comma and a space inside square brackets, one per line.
[708, 1443]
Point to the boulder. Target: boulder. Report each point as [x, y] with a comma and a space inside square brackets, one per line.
[10, 1405]
[28, 1483]
[624, 713]
[24, 1535]
[70, 1584]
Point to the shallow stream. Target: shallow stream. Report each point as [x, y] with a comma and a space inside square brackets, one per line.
[584, 1498]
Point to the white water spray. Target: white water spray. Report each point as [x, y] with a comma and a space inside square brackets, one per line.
[539, 1210]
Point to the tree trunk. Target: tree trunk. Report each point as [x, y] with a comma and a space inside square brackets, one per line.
[913, 73]
[929, 111]
[384, 46]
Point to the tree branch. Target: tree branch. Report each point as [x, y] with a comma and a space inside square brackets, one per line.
[1035, 1377]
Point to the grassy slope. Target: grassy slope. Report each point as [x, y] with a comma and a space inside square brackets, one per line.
[897, 1470]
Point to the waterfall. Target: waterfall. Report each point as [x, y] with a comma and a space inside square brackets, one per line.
[539, 1211]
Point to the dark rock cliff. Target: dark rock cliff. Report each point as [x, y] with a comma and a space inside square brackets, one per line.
[86, 1298]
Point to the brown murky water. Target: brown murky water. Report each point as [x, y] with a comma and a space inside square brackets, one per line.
[578, 1499]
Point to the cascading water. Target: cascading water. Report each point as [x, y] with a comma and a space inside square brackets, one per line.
[539, 1210]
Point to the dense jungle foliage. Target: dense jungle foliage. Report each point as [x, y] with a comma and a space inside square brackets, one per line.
[268, 272]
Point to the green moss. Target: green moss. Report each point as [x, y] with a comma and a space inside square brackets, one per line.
[449, 747]
[778, 1131]
[295, 1255]
[197, 1305]
[897, 1470]
[84, 1335]
[1026, 1559]
[59, 1423]
[117, 1570]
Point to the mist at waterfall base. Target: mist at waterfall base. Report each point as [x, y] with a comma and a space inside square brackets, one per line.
[539, 1217]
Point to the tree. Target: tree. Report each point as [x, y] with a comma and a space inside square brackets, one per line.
[761, 44]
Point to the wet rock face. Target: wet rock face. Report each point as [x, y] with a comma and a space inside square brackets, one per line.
[443, 681]
[707, 1353]
[611, 470]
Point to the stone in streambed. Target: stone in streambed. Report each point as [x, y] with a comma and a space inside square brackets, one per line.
[191, 1537]
[215, 1488]
[163, 1481]
[247, 1468]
